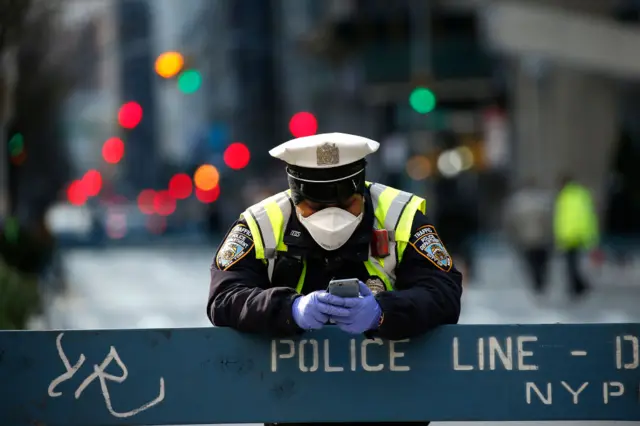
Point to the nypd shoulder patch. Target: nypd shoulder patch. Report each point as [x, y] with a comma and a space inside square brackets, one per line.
[427, 242]
[238, 243]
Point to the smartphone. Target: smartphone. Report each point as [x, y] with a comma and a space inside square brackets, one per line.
[344, 288]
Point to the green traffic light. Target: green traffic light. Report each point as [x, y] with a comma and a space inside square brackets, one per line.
[16, 144]
[422, 100]
[189, 81]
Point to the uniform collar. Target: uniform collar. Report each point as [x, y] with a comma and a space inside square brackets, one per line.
[300, 242]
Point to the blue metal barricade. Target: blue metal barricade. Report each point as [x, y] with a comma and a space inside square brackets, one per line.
[215, 375]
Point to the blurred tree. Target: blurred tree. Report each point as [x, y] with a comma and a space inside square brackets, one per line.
[44, 78]
[14, 295]
[12, 16]
[19, 298]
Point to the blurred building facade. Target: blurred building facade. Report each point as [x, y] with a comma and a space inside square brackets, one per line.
[135, 25]
[120, 42]
[573, 82]
[392, 49]
[91, 109]
[118, 52]
[534, 89]
[353, 64]
[510, 105]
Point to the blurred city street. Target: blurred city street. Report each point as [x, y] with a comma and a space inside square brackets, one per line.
[168, 287]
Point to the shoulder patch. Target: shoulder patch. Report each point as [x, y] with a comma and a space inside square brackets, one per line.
[238, 243]
[427, 242]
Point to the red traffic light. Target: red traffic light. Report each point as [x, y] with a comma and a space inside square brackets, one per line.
[208, 196]
[237, 156]
[303, 124]
[180, 186]
[130, 115]
[92, 183]
[113, 150]
[76, 194]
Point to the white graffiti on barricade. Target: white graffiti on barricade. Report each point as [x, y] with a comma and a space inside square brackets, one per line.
[99, 373]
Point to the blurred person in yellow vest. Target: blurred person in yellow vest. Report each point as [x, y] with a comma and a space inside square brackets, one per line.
[575, 227]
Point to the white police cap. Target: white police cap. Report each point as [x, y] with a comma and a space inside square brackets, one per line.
[325, 150]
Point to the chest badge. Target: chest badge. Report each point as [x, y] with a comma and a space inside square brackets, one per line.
[375, 284]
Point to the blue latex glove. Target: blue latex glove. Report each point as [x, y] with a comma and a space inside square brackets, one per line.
[363, 312]
[310, 312]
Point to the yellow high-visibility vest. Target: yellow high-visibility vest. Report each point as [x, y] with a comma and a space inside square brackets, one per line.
[575, 222]
[394, 211]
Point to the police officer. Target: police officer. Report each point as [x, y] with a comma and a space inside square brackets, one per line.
[270, 273]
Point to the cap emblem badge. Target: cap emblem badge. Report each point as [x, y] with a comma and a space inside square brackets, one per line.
[328, 154]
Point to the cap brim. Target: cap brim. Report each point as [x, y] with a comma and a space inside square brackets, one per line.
[325, 193]
[335, 174]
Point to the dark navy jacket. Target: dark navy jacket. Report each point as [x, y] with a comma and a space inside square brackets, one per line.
[241, 296]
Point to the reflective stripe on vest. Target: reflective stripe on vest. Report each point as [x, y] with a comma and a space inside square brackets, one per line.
[267, 221]
[393, 210]
[388, 205]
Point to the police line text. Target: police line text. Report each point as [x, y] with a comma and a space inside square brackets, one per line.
[314, 355]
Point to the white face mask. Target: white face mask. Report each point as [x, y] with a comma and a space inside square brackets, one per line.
[331, 227]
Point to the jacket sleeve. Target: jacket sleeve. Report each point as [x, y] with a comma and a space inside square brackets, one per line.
[428, 287]
[240, 294]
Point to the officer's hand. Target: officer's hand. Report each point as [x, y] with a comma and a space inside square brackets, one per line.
[310, 312]
[363, 312]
